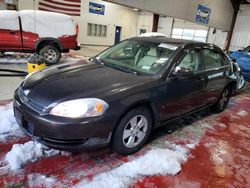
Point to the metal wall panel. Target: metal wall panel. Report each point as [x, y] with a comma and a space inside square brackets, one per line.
[219, 38]
[241, 34]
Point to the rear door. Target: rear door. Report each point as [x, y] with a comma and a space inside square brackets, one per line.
[216, 71]
[184, 94]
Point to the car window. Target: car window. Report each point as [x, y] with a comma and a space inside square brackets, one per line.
[247, 49]
[225, 60]
[141, 56]
[191, 61]
[211, 59]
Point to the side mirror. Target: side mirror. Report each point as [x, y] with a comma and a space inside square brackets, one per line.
[182, 72]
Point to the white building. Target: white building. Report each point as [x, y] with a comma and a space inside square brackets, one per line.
[124, 22]
[98, 29]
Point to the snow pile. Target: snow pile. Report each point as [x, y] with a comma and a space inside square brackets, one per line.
[155, 161]
[47, 24]
[40, 180]
[8, 124]
[164, 157]
[242, 113]
[9, 20]
[29, 152]
[43, 23]
[152, 34]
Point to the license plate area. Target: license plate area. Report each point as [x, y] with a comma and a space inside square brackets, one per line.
[29, 127]
[26, 125]
[18, 116]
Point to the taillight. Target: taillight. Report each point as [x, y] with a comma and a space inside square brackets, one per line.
[77, 29]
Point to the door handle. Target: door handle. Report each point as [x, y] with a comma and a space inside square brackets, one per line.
[12, 32]
[201, 78]
[225, 73]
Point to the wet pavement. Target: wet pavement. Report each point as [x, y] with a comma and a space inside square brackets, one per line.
[222, 158]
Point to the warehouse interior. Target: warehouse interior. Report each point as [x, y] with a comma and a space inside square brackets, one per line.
[195, 147]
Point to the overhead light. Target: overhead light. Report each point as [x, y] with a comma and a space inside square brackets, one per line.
[135, 9]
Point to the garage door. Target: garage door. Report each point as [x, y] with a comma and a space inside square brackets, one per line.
[190, 31]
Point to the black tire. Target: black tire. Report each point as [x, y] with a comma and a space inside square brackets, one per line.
[51, 54]
[222, 102]
[120, 143]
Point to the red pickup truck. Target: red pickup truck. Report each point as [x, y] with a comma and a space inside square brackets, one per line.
[46, 33]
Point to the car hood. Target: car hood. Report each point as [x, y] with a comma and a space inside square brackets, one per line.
[238, 54]
[78, 80]
[244, 63]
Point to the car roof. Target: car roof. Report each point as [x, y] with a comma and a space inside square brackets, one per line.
[163, 39]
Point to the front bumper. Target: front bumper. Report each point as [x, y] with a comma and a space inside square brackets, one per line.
[63, 133]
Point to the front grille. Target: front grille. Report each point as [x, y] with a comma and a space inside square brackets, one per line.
[29, 127]
[34, 105]
[66, 142]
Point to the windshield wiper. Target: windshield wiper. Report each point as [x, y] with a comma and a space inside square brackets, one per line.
[118, 67]
[121, 68]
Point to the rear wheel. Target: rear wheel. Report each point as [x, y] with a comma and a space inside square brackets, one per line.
[223, 99]
[51, 54]
[132, 132]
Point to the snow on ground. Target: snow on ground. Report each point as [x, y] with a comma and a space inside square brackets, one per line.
[155, 161]
[40, 180]
[242, 113]
[8, 125]
[163, 158]
[29, 152]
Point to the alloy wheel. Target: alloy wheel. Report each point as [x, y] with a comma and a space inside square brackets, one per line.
[135, 131]
[50, 55]
[224, 98]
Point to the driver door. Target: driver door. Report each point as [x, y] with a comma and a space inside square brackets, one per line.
[185, 92]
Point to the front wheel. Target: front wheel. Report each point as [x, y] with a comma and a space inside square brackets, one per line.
[223, 100]
[132, 132]
[51, 54]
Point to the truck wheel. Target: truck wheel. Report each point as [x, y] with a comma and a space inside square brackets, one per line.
[51, 54]
[132, 132]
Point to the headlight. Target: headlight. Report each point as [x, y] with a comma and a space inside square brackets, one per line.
[89, 107]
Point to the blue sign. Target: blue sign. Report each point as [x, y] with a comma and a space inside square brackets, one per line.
[96, 8]
[203, 14]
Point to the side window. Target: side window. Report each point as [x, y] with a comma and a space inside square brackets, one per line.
[247, 50]
[211, 59]
[191, 61]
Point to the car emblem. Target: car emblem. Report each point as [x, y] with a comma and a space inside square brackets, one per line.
[26, 92]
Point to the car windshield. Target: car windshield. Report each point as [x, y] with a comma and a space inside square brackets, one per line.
[247, 50]
[138, 56]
